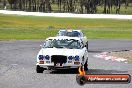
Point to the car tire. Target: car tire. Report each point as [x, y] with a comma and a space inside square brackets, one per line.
[87, 45]
[86, 65]
[39, 69]
[81, 80]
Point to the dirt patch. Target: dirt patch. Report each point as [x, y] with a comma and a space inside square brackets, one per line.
[123, 54]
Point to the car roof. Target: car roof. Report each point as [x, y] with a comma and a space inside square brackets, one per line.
[63, 37]
[69, 30]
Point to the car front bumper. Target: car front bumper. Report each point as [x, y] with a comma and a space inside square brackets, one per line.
[64, 66]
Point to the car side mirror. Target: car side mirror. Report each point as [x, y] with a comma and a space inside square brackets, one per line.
[41, 46]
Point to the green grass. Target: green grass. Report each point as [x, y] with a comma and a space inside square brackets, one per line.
[31, 27]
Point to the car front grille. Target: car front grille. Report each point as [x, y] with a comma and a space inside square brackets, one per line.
[59, 59]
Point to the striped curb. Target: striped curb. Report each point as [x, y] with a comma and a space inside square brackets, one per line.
[105, 56]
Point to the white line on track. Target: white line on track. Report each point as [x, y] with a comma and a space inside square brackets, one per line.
[72, 15]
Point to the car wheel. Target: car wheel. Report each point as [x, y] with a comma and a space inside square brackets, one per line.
[39, 69]
[86, 65]
[81, 80]
[87, 45]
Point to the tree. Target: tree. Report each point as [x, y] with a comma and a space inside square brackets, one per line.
[73, 6]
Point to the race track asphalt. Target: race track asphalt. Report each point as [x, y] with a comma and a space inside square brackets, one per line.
[18, 59]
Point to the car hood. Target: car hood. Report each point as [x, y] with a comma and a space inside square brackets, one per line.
[56, 51]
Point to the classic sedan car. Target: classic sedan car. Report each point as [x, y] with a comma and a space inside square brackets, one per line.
[73, 33]
[61, 53]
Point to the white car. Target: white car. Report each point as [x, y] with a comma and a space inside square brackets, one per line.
[73, 33]
[62, 53]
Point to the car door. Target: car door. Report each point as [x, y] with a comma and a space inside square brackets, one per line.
[85, 52]
[84, 38]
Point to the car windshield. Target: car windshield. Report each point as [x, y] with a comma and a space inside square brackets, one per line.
[70, 34]
[64, 43]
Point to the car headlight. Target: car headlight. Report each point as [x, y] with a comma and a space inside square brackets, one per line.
[41, 57]
[70, 57]
[47, 57]
[77, 58]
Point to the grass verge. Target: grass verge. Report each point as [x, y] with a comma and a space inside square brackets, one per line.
[32, 27]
